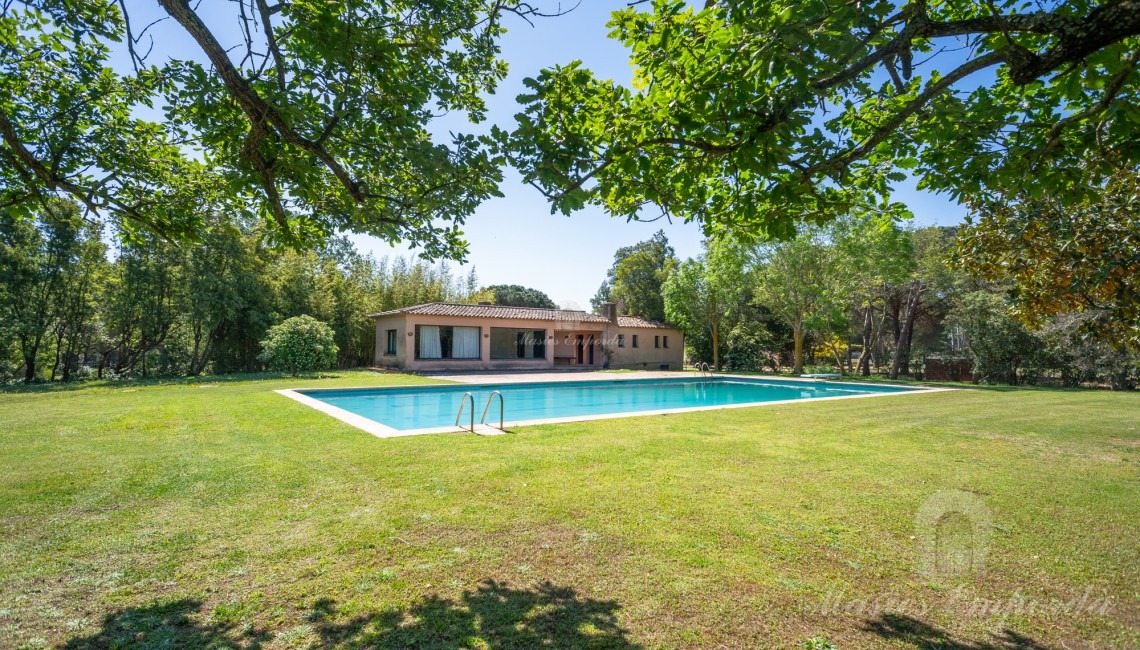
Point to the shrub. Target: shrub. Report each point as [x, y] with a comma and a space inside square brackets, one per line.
[1063, 351]
[299, 344]
[1001, 346]
[1079, 358]
[750, 347]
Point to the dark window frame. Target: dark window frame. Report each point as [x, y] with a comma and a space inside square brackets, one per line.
[393, 336]
[657, 341]
[634, 341]
[446, 341]
[621, 340]
[524, 339]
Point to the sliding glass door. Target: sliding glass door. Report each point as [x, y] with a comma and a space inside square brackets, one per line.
[447, 342]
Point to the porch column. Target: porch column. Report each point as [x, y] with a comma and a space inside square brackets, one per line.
[549, 345]
[485, 347]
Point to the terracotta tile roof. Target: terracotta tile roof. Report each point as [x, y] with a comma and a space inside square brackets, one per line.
[528, 313]
[495, 311]
[638, 321]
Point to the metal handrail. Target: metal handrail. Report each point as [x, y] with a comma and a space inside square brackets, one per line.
[502, 408]
[703, 368]
[462, 403]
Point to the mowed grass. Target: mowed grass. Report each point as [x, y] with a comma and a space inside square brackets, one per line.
[225, 515]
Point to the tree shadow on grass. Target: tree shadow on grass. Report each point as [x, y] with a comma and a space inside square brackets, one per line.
[898, 627]
[489, 616]
[166, 625]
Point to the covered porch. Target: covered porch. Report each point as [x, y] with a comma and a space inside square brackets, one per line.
[578, 347]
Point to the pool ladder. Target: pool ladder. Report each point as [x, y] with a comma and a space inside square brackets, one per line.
[502, 409]
[462, 403]
[469, 397]
[703, 368]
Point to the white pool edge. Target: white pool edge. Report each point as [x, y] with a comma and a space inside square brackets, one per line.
[348, 417]
[382, 431]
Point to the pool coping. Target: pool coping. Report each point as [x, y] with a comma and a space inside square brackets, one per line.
[383, 431]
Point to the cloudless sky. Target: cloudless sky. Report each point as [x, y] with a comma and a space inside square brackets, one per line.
[515, 239]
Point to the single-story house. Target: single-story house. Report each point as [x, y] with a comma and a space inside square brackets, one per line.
[447, 336]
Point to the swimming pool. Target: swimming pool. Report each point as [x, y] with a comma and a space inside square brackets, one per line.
[428, 409]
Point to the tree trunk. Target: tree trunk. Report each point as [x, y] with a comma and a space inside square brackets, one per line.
[198, 365]
[31, 350]
[193, 369]
[60, 350]
[868, 332]
[902, 347]
[912, 317]
[798, 360]
[716, 343]
[895, 309]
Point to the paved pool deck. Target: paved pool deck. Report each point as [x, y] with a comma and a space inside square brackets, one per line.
[577, 375]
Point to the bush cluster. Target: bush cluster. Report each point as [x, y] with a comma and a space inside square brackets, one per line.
[299, 344]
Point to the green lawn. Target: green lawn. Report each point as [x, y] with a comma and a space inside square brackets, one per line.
[223, 515]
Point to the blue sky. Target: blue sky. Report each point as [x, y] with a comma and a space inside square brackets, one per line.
[515, 239]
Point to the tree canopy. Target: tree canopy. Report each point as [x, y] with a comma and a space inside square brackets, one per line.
[45, 276]
[806, 281]
[70, 309]
[315, 120]
[756, 116]
[1060, 259]
[636, 278]
[702, 291]
[515, 295]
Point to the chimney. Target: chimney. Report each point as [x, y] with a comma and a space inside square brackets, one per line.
[609, 310]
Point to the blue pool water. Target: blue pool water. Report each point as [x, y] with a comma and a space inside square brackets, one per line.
[424, 407]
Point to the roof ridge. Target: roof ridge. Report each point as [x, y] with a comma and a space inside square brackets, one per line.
[511, 311]
[475, 304]
[540, 313]
[643, 319]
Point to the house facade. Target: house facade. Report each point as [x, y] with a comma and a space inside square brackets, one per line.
[445, 336]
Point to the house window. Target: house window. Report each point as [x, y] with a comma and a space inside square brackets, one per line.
[656, 341]
[664, 341]
[621, 340]
[517, 343]
[391, 342]
[635, 340]
[447, 342]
